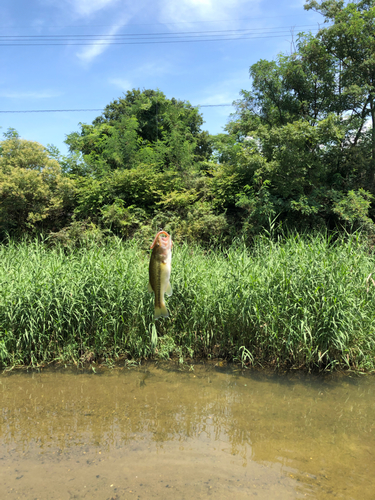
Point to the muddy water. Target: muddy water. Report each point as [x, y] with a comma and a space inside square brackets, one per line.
[155, 432]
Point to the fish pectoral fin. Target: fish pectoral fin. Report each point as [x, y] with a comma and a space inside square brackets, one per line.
[168, 291]
[149, 287]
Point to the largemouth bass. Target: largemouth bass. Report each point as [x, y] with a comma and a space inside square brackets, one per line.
[160, 271]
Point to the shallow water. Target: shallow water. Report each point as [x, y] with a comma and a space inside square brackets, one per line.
[155, 432]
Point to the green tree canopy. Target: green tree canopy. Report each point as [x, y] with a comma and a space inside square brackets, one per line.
[349, 39]
[306, 126]
[142, 127]
[33, 191]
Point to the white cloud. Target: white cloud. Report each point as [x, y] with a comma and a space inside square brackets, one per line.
[226, 97]
[204, 10]
[168, 12]
[29, 95]
[155, 68]
[88, 7]
[121, 83]
[142, 73]
[225, 91]
[123, 15]
[90, 52]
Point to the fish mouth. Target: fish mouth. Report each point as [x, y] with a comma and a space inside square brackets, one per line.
[164, 240]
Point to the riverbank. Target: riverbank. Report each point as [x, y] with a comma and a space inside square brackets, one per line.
[301, 303]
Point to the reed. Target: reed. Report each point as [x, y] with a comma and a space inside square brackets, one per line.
[301, 302]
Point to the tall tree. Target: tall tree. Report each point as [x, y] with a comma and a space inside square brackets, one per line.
[350, 39]
[306, 126]
[143, 127]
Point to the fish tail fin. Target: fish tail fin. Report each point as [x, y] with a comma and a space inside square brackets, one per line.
[161, 312]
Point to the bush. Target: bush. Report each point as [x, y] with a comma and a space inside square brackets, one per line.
[34, 194]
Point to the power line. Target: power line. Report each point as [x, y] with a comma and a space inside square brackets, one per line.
[149, 42]
[92, 109]
[168, 23]
[167, 33]
[148, 38]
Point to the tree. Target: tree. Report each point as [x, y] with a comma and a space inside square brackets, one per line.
[302, 126]
[33, 192]
[143, 127]
[300, 86]
[350, 40]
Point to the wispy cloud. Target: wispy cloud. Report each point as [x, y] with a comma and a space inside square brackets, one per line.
[89, 53]
[225, 91]
[203, 10]
[140, 75]
[88, 7]
[155, 68]
[44, 94]
[169, 12]
[122, 13]
[121, 83]
[223, 97]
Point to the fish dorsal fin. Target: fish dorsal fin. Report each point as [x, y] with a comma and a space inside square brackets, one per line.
[149, 287]
[168, 291]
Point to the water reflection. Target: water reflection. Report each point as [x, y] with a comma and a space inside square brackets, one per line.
[256, 434]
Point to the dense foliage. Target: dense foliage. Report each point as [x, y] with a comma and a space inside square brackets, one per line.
[300, 149]
[307, 125]
[142, 128]
[34, 193]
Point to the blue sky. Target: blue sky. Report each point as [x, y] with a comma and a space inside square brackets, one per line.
[69, 76]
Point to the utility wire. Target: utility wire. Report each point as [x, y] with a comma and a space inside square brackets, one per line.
[279, 29]
[169, 23]
[149, 42]
[148, 38]
[92, 109]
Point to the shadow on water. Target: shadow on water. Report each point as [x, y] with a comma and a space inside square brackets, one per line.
[157, 432]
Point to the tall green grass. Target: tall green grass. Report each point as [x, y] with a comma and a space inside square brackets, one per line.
[304, 302]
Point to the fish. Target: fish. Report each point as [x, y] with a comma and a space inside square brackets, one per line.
[160, 272]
